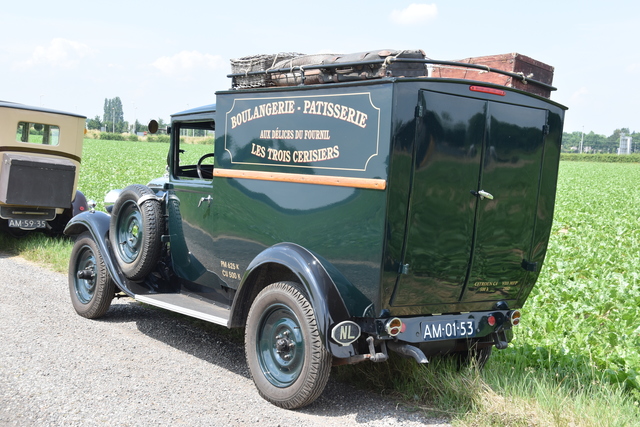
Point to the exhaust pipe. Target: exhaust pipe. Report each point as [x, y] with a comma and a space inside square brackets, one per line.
[408, 350]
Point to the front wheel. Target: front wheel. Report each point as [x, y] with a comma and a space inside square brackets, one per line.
[289, 363]
[90, 285]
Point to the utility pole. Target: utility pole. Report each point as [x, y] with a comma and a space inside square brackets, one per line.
[582, 140]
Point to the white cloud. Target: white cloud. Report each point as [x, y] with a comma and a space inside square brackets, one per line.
[415, 13]
[59, 53]
[580, 94]
[633, 68]
[181, 64]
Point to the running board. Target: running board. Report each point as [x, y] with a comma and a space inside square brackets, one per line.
[188, 306]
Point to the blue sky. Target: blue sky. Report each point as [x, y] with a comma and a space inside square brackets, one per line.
[162, 57]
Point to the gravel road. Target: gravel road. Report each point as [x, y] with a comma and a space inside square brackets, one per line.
[140, 366]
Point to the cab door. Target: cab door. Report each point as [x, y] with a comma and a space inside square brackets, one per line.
[472, 202]
[190, 209]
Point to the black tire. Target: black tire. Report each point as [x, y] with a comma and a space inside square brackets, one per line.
[16, 233]
[287, 359]
[93, 289]
[135, 231]
[474, 357]
[481, 356]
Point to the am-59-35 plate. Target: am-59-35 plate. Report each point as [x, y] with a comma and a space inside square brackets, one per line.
[27, 223]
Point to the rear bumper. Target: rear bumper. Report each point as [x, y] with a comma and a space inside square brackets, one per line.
[443, 327]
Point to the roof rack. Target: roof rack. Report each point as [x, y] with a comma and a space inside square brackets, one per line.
[302, 69]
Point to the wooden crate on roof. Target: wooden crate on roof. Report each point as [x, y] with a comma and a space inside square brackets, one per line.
[512, 62]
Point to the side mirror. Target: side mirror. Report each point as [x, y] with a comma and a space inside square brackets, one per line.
[153, 126]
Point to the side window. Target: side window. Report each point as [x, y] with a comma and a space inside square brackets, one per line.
[194, 143]
[38, 133]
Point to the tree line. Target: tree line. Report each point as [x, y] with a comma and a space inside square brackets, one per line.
[113, 121]
[593, 143]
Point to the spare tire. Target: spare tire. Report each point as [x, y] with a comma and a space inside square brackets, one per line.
[135, 231]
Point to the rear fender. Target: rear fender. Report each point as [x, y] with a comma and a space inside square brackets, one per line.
[288, 261]
[97, 223]
[79, 204]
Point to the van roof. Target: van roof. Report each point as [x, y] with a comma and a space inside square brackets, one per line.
[9, 104]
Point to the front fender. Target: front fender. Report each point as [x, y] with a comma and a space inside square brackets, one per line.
[328, 304]
[97, 223]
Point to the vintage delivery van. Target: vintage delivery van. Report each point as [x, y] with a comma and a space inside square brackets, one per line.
[40, 152]
[337, 221]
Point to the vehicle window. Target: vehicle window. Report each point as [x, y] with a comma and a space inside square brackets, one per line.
[195, 144]
[38, 133]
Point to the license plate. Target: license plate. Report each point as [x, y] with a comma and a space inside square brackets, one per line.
[27, 223]
[448, 329]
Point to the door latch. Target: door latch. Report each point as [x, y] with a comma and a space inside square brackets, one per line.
[482, 194]
[207, 199]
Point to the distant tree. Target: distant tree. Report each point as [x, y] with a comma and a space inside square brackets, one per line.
[94, 123]
[113, 118]
[571, 142]
[591, 143]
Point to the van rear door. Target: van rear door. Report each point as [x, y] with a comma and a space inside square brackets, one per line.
[472, 210]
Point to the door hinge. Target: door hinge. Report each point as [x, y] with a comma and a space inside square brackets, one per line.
[419, 110]
[404, 269]
[529, 266]
[545, 129]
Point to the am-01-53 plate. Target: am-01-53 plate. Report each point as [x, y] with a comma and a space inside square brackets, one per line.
[448, 329]
[27, 223]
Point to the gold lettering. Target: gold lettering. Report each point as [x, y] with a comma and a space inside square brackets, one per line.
[343, 113]
[337, 111]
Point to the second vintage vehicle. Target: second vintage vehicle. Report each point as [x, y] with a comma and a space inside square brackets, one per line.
[367, 206]
[40, 151]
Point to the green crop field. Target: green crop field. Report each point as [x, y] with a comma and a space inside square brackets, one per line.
[579, 339]
[585, 309]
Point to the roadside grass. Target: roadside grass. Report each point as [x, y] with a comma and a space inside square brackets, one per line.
[504, 393]
[51, 252]
[576, 355]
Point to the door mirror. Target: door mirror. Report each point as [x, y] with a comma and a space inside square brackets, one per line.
[153, 126]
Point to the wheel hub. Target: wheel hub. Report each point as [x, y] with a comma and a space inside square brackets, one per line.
[280, 346]
[284, 345]
[85, 280]
[130, 233]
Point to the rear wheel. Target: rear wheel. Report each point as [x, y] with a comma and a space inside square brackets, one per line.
[135, 231]
[287, 359]
[90, 285]
[17, 233]
[475, 356]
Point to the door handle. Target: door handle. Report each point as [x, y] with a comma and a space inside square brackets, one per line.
[482, 194]
[207, 199]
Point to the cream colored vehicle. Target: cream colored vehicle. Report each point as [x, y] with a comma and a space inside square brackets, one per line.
[40, 151]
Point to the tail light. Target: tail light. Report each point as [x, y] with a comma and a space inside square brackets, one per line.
[514, 317]
[491, 320]
[394, 326]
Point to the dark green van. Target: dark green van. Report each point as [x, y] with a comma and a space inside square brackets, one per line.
[338, 221]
